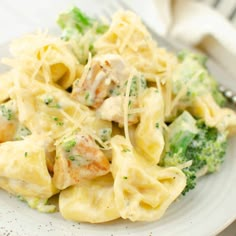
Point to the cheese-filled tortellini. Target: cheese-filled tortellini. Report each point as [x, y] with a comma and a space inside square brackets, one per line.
[142, 192]
[148, 136]
[128, 37]
[23, 168]
[50, 111]
[78, 157]
[89, 201]
[49, 60]
[224, 119]
[46, 110]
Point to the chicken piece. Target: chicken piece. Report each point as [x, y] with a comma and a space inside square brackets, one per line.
[8, 121]
[112, 110]
[105, 73]
[78, 157]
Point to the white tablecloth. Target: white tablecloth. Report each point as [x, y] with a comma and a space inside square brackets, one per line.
[19, 17]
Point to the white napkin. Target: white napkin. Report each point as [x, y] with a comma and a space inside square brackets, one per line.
[196, 24]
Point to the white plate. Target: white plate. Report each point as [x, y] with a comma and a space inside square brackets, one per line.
[205, 211]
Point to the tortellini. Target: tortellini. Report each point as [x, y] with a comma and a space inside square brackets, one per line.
[45, 109]
[23, 168]
[142, 192]
[90, 201]
[127, 36]
[222, 118]
[49, 59]
[148, 135]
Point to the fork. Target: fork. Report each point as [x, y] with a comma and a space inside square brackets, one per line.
[167, 43]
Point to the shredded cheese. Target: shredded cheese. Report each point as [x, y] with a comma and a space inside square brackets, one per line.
[44, 58]
[126, 107]
[136, 111]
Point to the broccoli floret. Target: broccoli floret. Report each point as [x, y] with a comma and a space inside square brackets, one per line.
[191, 180]
[209, 146]
[181, 134]
[192, 77]
[201, 147]
[82, 29]
[201, 59]
[179, 138]
[77, 21]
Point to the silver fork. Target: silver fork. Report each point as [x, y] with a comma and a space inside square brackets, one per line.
[170, 45]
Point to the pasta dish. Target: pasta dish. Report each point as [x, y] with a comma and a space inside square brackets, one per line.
[107, 121]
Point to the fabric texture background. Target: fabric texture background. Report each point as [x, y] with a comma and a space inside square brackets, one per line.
[199, 25]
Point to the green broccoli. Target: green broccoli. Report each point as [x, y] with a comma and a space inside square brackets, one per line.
[193, 76]
[83, 30]
[209, 146]
[193, 142]
[76, 20]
